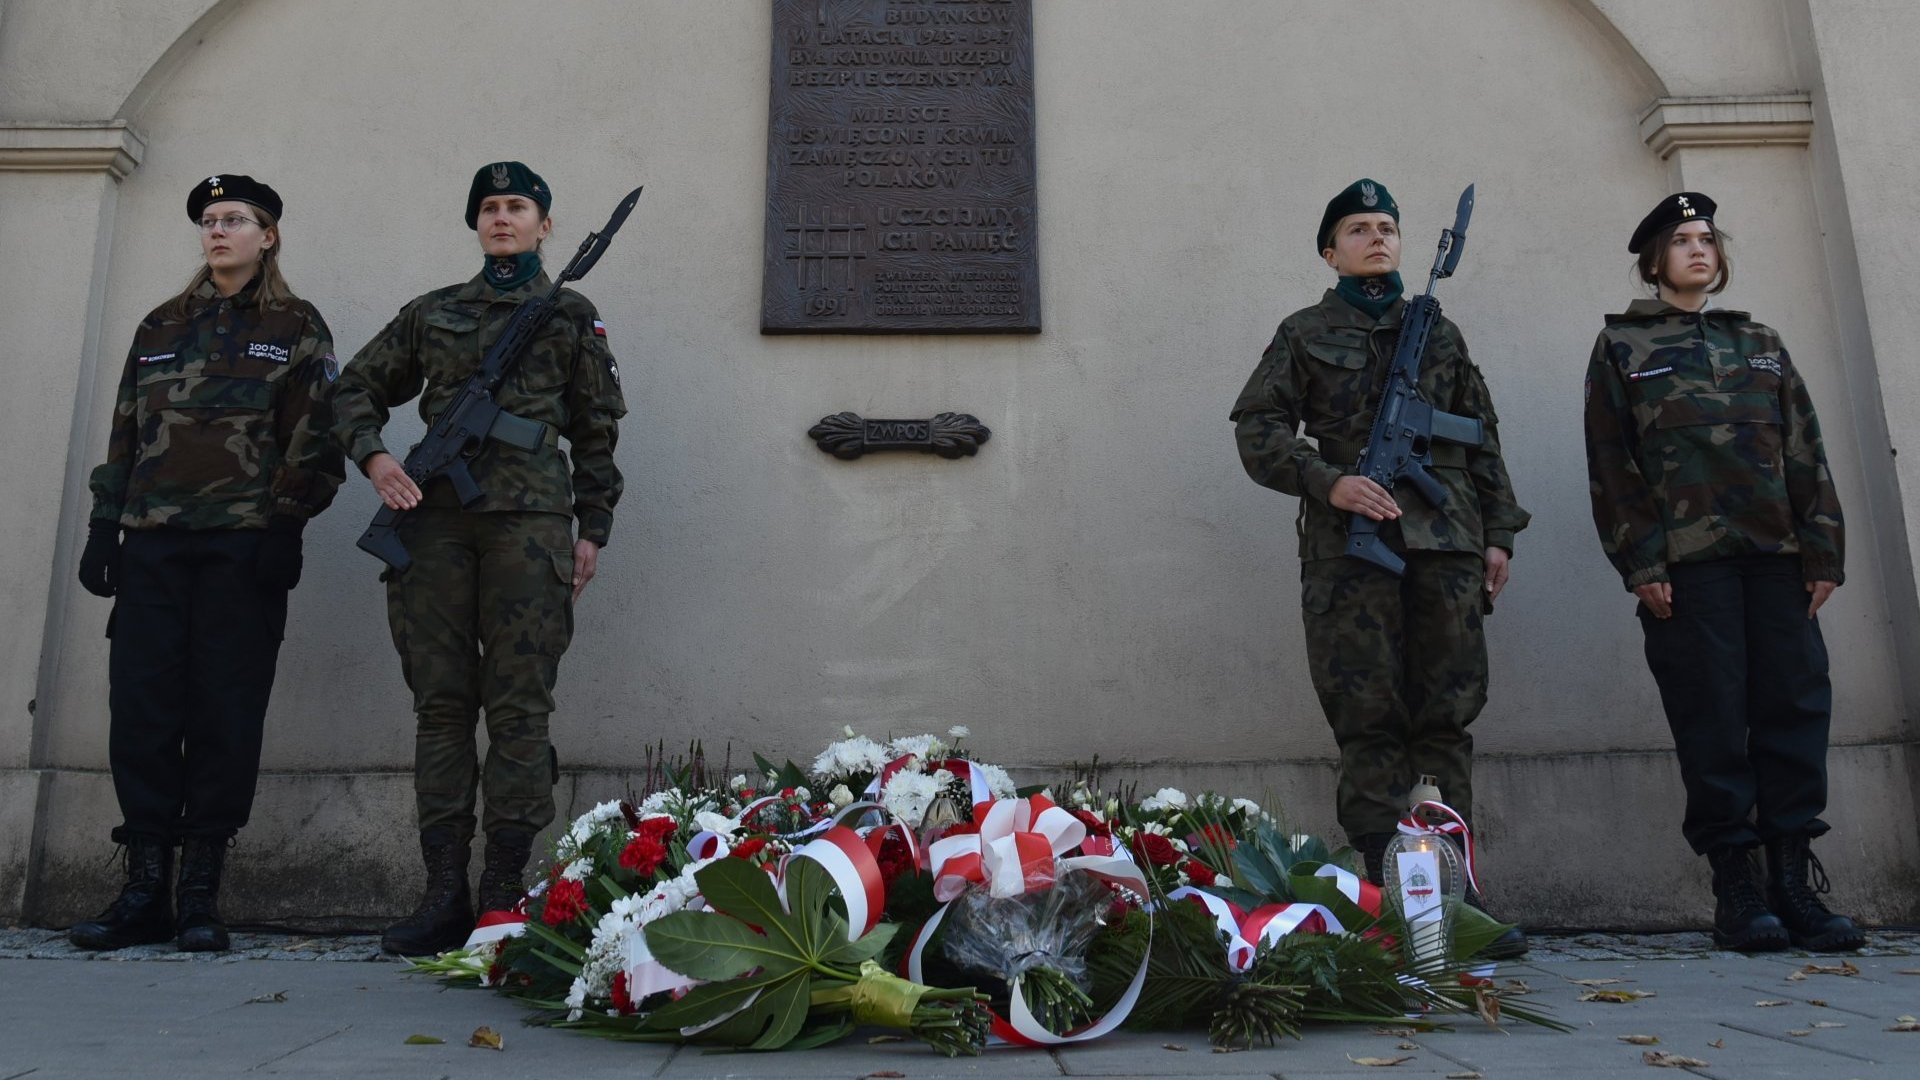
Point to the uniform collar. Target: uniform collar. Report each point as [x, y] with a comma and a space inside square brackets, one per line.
[1652, 307]
[477, 289]
[246, 297]
[1341, 313]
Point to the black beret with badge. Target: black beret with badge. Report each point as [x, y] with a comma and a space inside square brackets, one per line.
[1673, 210]
[231, 187]
[1363, 196]
[505, 178]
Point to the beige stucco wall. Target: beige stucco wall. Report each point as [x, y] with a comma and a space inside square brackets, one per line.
[1103, 577]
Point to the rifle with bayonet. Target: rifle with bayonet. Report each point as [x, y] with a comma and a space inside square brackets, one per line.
[1404, 426]
[473, 418]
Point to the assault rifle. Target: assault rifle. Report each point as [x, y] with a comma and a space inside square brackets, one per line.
[1404, 427]
[463, 428]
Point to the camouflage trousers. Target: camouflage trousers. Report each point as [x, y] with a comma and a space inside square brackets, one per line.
[1400, 667]
[481, 620]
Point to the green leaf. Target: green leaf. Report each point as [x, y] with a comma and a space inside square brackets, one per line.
[547, 934]
[1474, 930]
[807, 889]
[842, 953]
[423, 1040]
[821, 1034]
[1309, 889]
[744, 891]
[703, 1004]
[785, 1008]
[704, 945]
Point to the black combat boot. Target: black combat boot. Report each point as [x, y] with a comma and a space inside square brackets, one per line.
[444, 917]
[1796, 900]
[143, 913]
[501, 885]
[198, 895]
[1373, 854]
[1741, 920]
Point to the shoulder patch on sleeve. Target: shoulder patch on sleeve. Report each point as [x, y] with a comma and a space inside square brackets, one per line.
[330, 366]
[599, 328]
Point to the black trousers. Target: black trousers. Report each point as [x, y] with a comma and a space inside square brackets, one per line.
[195, 640]
[1743, 676]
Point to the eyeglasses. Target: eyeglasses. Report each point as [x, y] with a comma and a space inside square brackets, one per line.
[227, 223]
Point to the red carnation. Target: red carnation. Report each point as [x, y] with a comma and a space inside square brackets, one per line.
[895, 858]
[746, 793]
[659, 828]
[747, 849]
[566, 901]
[1095, 826]
[1198, 872]
[1154, 849]
[621, 1002]
[643, 855]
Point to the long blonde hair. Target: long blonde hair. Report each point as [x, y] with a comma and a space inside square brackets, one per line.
[273, 288]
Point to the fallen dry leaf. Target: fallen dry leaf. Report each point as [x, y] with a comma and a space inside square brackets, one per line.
[1516, 987]
[1906, 1023]
[1172, 1046]
[1600, 982]
[1660, 1059]
[1844, 967]
[1768, 1003]
[1641, 1040]
[486, 1039]
[1382, 1062]
[1799, 1033]
[1908, 971]
[424, 1040]
[1816, 1003]
[888, 1074]
[1828, 1024]
[1616, 997]
[1398, 1033]
[878, 1039]
[1463, 1076]
[278, 997]
[1228, 1049]
[1407, 1046]
[1798, 976]
[1718, 1044]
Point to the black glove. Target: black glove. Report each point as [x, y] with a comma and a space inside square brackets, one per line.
[277, 566]
[100, 561]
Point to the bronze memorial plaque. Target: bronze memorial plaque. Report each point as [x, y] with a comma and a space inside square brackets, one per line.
[900, 178]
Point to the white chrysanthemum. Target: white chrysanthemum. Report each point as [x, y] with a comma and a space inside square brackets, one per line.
[855, 754]
[712, 821]
[925, 747]
[999, 784]
[660, 802]
[802, 794]
[840, 797]
[739, 781]
[1222, 881]
[958, 732]
[1165, 799]
[578, 870]
[1248, 807]
[907, 796]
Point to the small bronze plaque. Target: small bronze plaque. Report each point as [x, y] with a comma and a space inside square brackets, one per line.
[848, 435]
[900, 169]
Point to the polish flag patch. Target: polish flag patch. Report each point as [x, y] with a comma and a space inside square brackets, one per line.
[599, 328]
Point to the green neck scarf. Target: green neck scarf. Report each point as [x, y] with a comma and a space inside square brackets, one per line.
[508, 272]
[1373, 295]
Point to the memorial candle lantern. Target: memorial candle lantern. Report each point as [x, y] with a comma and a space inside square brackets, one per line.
[1426, 880]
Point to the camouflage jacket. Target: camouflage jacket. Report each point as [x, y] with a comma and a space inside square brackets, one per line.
[567, 380]
[1321, 378]
[221, 419]
[1702, 444]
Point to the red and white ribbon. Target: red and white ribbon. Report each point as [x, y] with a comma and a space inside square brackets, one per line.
[850, 864]
[1414, 824]
[959, 767]
[1247, 931]
[1018, 850]
[1364, 894]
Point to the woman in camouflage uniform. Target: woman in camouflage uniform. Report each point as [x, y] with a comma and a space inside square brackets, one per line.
[1714, 502]
[485, 612]
[218, 457]
[1399, 663]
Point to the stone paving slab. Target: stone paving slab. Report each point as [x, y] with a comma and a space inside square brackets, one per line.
[347, 1012]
